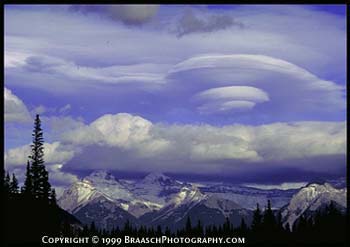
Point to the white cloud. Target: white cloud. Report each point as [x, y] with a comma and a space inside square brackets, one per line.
[137, 141]
[142, 74]
[65, 109]
[15, 109]
[121, 130]
[128, 143]
[230, 98]
[234, 93]
[58, 177]
[249, 79]
[54, 153]
[39, 109]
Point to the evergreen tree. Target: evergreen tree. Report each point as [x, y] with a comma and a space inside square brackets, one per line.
[14, 185]
[167, 231]
[7, 183]
[199, 229]
[243, 228]
[53, 199]
[257, 219]
[269, 221]
[40, 178]
[188, 227]
[159, 231]
[27, 188]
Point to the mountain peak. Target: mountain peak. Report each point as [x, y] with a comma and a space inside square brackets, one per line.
[312, 197]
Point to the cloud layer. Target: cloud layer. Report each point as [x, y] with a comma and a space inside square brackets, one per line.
[15, 110]
[123, 142]
[229, 91]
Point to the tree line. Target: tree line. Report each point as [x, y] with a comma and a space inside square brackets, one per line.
[326, 227]
[31, 211]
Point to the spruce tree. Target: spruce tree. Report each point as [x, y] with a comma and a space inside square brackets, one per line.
[53, 199]
[257, 219]
[14, 185]
[243, 228]
[27, 188]
[269, 221]
[40, 178]
[188, 226]
[7, 182]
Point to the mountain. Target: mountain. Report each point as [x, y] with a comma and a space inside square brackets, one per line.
[161, 200]
[101, 184]
[248, 197]
[311, 198]
[97, 184]
[157, 188]
[190, 202]
[105, 213]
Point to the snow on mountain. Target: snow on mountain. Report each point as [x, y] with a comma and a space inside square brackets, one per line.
[185, 199]
[104, 213]
[186, 195]
[248, 197]
[159, 199]
[224, 205]
[311, 198]
[105, 183]
[191, 202]
[78, 195]
[157, 188]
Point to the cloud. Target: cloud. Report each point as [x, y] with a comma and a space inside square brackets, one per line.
[247, 81]
[127, 142]
[58, 177]
[122, 130]
[65, 109]
[191, 22]
[15, 109]
[128, 14]
[232, 98]
[281, 67]
[39, 109]
[83, 75]
[54, 153]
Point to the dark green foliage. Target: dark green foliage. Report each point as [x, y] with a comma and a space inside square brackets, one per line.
[33, 212]
[38, 174]
[257, 219]
[14, 185]
[7, 182]
[27, 188]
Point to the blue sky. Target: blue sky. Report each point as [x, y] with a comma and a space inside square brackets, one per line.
[223, 91]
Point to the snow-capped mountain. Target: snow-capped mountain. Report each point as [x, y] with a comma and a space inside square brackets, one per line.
[160, 200]
[248, 197]
[97, 184]
[311, 198]
[190, 202]
[101, 184]
[157, 188]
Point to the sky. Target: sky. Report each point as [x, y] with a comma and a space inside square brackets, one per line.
[238, 93]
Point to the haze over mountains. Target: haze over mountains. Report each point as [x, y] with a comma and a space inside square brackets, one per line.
[161, 200]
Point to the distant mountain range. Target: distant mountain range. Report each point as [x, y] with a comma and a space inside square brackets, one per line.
[160, 200]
